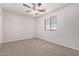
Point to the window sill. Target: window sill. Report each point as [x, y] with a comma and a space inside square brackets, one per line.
[51, 30]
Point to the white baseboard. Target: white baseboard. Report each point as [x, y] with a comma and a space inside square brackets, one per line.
[42, 39]
[30, 35]
[59, 44]
[16, 40]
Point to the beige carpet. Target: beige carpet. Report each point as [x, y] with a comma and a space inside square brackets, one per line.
[35, 47]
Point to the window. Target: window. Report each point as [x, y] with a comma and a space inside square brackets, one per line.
[51, 23]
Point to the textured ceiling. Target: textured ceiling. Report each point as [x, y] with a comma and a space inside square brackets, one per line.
[19, 8]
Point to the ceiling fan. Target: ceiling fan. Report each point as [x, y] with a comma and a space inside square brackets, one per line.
[34, 8]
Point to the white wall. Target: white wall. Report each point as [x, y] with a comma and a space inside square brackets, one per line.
[0, 26]
[17, 27]
[67, 33]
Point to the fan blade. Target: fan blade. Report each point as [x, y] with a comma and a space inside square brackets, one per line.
[39, 4]
[28, 11]
[42, 10]
[26, 5]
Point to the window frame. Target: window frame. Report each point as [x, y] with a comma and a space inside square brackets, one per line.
[52, 21]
